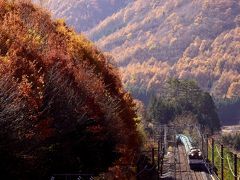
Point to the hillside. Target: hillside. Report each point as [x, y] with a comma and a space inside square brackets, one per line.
[83, 14]
[175, 38]
[229, 111]
[62, 106]
[182, 102]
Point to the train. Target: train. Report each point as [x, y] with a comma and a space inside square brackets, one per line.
[194, 155]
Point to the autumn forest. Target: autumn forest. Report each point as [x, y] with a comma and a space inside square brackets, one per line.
[84, 83]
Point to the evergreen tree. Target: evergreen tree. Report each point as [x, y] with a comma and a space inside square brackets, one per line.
[179, 97]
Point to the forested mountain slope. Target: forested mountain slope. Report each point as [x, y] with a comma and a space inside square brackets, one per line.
[83, 14]
[62, 106]
[196, 39]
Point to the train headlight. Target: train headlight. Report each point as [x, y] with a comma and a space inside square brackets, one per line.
[200, 154]
[191, 154]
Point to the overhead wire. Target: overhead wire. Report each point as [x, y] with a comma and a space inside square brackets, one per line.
[228, 161]
[145, 168]
[230, 168]
[142, 170]
[219, 155]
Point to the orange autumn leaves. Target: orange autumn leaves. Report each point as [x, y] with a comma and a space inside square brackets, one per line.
[62, 85]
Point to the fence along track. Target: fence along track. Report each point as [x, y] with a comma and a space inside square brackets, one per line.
[229, 166]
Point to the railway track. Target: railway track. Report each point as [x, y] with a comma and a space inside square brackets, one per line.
[183, 169]
[198, 175]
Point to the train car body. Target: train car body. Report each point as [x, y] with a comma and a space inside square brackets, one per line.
[194, 155]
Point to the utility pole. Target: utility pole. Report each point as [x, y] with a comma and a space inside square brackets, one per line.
[161, 168]
[222, 163]
[165, 138]
[175, 155]
[161, 150]
[235, 167]
[207, 146]
[158, 159]
[212, 153]
[153, 156]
